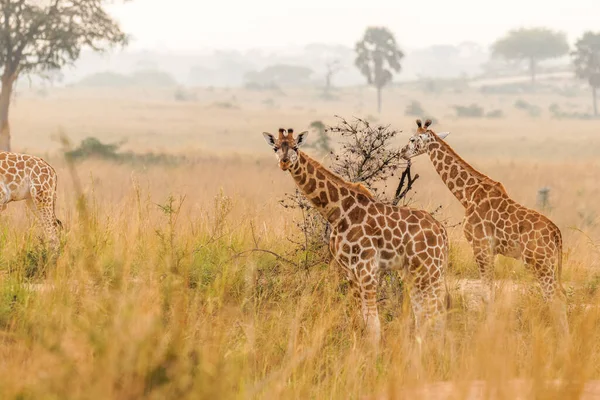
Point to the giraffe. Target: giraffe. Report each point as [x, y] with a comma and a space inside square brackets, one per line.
[494, 223]
[368, 237]
[30, 178]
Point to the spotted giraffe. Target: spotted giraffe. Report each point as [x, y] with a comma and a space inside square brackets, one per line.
[494, 223]
[26, 177]
[368, 237]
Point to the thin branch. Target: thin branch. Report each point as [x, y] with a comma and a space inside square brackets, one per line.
[400, 192]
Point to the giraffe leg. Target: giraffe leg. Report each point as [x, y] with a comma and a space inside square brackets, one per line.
[552, 293]
[429, 308]
[353, 289]
[368, 295]
[43, 208]
[484, 259]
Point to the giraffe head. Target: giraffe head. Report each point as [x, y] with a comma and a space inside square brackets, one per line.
[285, 146]
[420, 141]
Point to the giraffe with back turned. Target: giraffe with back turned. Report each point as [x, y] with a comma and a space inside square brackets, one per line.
[368, 237]
[30, 178]
[494, 223]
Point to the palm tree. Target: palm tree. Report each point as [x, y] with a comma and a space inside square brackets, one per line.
[376, 49]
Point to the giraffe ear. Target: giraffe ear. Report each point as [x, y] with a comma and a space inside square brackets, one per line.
[269, 138]
[443, 134]
[301, 138]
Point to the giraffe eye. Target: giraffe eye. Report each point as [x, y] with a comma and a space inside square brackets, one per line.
[275, 149]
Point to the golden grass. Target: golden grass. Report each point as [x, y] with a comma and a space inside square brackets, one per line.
[149, 298]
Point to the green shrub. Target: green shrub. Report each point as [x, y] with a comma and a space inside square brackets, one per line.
[472, 111]
[91, 147]
[495, 114]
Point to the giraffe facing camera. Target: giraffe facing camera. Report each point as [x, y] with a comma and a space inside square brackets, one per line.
[369, 237]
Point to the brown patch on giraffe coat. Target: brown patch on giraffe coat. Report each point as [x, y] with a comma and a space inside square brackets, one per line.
[347, 203]
[311, 185]
[333, 192]
[362, 199]
[334, 215]
[453, 171]
[387, 234]
[324, 199]
[419, 242]
[302, 179]
[310, 168]
[354, 233]
[320, 175]
[357, 214]
[371, 224]
[365, 242]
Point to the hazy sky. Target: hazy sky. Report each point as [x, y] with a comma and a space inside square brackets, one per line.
[244, 24]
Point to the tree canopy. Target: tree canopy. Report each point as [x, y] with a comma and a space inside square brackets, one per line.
[37, 36]
[532, 44]
[42, 35]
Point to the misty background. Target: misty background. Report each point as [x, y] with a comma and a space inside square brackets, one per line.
[223, 44]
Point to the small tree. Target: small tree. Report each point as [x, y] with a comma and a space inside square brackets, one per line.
[533, 45]
[42, 36]
[376, 49]
[322, 143]
[586, 58]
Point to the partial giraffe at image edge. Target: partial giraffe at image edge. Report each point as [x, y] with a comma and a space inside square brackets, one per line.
[31, 178]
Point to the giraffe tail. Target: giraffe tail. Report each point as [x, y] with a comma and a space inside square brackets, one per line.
[560, 262]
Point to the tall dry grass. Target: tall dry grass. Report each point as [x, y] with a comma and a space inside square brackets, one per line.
[150, 298]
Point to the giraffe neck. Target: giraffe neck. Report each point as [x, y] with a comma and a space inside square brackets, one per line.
[331, 195]
[459, 176]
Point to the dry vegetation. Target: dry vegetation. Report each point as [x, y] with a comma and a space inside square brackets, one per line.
[151, 297]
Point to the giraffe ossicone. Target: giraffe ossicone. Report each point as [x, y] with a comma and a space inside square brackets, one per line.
[369, 236]
[494, 223]
[30, 178]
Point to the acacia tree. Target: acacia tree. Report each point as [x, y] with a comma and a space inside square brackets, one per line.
[586, 58]
[38, 36]
[532, 45]
[376, 49]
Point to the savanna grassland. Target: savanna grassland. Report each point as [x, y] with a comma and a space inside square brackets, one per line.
[157, 295]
